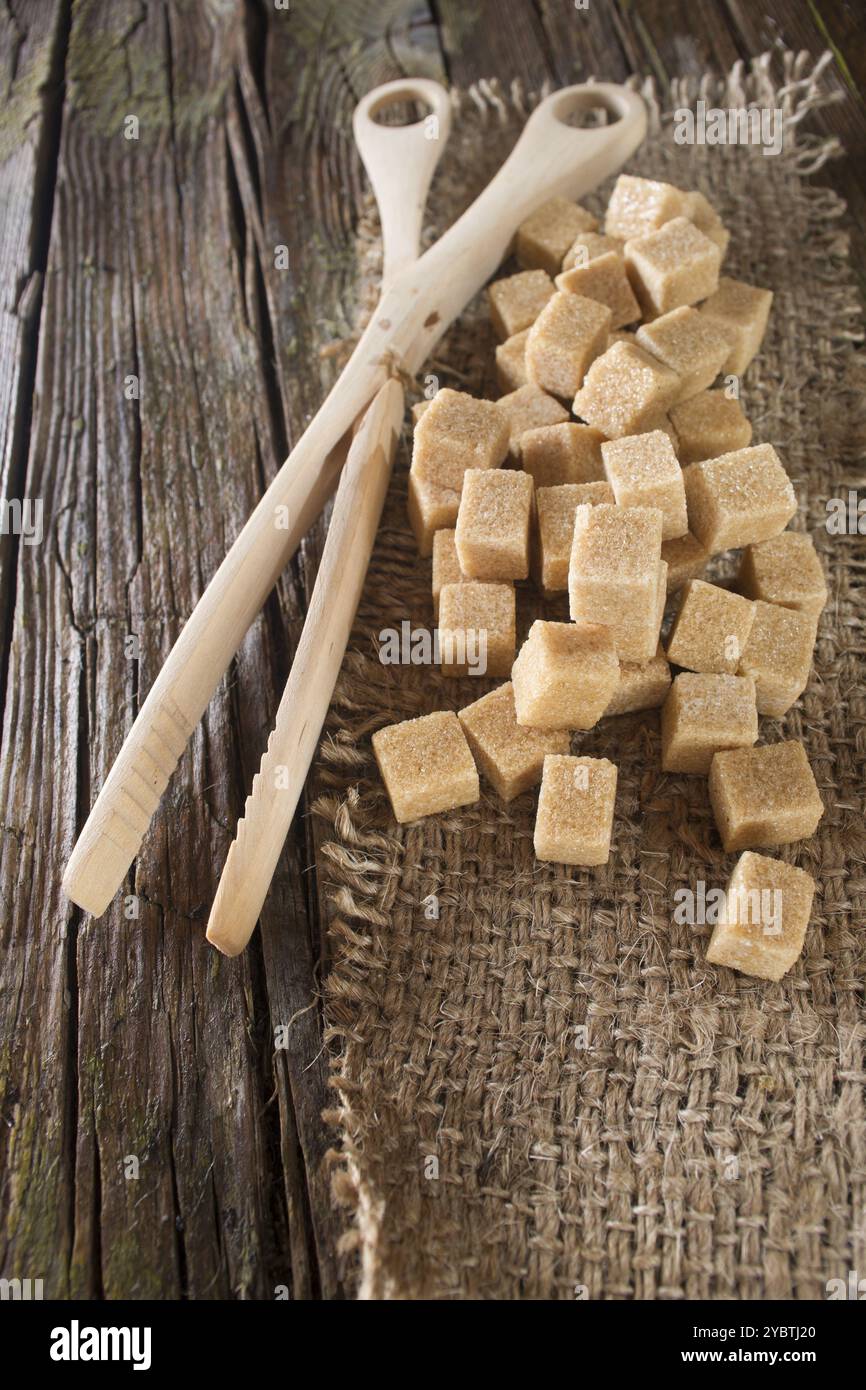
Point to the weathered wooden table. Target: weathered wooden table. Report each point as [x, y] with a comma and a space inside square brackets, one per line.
[178, 188]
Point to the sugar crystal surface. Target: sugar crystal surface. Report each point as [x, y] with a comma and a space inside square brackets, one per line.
[492, 531]
[708, 425]
[763, 797]
[711, 629]
[785, 570]
[569, 333]
[426, 766]
[704, 713]
[625, 390]
[778, 656]
[546, 235]
[508, 755]
[763, 927]
[603, 278]
[564, 675]
[477, 629]
[516, 302]
[575, 810]
[643, 471]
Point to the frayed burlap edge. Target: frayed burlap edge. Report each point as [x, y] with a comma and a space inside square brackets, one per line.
[360, 864]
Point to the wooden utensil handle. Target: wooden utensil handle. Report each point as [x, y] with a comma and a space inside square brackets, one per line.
[261, 834]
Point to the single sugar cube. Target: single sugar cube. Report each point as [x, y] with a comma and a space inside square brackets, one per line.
[710, 424]
[574, 820]
[446, 566]
[545, 237]
[569, 333]
[564, 675]
[704, 713]
[643, 471]
[689, 345]
[642, 685]
[457, 432]
[701, 211]
[741, 311]
[673, 266]
[638, 206]
[615, 575]
[604, 279]
[510, 756]
[685, 558]
[528, 408]
[477, 629]
[492, 531]
[762, 797]
[430, 509]
[762, 927]
[555, 509]
[516, 302]
[625, 390]
[588, 245]
[511, 362]
[739, 498]
[426, 766]
[565, 453]
[785, 570]
[778, 656]
[711, 629]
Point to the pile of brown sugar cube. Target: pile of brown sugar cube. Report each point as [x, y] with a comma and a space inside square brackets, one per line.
[610, 469]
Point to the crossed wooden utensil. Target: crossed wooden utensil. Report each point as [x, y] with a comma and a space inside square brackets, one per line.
[353, 438]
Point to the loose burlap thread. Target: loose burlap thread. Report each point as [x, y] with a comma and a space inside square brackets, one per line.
[545, 1091]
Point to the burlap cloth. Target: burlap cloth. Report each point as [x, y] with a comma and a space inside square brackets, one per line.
[547, 1092]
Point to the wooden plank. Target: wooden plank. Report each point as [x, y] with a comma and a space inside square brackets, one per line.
[145, 1159]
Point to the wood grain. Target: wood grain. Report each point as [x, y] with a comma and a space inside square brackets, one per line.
[157, 258]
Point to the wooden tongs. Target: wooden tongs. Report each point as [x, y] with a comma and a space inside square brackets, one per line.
[420, 299]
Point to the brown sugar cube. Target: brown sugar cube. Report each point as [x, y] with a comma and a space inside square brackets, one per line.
[510, 756]
[492, 531]
[741, 311]
[430, 509]
[446, 566]
[638, 206]
[477, 629]
[708, 425]
[701, 211]
[711, 629]
[569, 333]
[642, 685]
[457, 432]
[555, 509]
[690, 346]
[565, 453]
[763, 924]
[574, 820]
[762, 797]
[545, 237]
[704, 713]
[778, 656]
[564, 675]
[588, 245]
[615, 575]
[625, 391]
[516, 302]
[528, 408]
[511, 362]
[673, 266]
[739, 498]
[426, 766]
[603, 279]
[785, 570]
[643, 471]
[686, 559]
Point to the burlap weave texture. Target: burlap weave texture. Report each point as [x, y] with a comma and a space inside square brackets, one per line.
[546, 1091]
